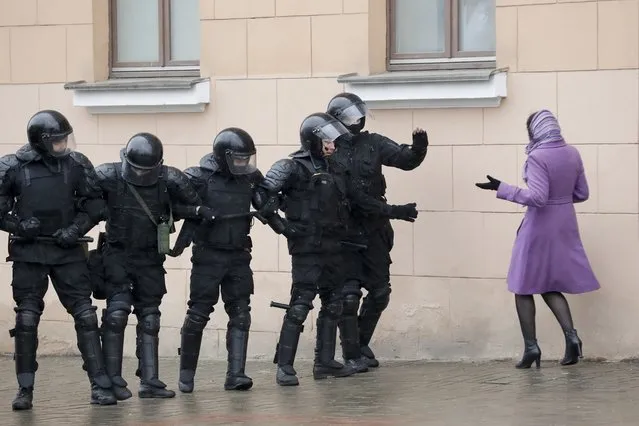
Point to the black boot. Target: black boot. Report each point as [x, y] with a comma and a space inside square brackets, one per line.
[189, 351]
[23, 400]
[286, 350]
[86, 326]
[325, 365]
[113, 326]
[349, 337]
[368, 319]
[237, 345]
[26, 346]
[573, 348]
[147, 352]
[532, 353]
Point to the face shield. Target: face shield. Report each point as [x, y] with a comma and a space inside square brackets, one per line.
[138, 175]
[241, 163]
[328, 134]
[58, 146]
[353, 114]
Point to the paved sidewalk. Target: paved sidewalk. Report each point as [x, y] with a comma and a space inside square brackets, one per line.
[398, 393]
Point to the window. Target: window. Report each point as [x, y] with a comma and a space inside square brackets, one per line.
[426, 34]
[155, 37]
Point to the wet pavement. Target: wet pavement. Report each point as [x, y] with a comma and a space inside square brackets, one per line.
[397, 393]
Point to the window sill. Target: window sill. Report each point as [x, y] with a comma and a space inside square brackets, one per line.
[142, 95]
[469, 88]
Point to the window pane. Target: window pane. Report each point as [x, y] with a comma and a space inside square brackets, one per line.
[477, 25]
[185, 30]
[138, 31]
[420, 26]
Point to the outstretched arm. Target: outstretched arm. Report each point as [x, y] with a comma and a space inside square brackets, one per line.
[536, 195]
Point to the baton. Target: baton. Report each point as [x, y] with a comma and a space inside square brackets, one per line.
[242, 215]
[48, 239]
[350, 244]
[280, 305]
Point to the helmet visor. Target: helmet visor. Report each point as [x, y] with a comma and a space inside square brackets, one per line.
[241, 163]
[353, 114]
[60, 145]
[138, 175]
[330, 131]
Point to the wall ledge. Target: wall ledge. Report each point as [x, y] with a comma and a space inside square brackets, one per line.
[468, 88]
[142, 95]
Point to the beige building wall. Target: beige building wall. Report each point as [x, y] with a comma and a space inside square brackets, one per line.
[272, 62]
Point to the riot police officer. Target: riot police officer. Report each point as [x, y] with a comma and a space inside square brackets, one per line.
[42, 186]
[225, 180]
[366, 153]
[143, 198]
[315, 202]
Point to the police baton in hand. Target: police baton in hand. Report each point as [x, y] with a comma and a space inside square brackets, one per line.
[255, 214]
[47, 239]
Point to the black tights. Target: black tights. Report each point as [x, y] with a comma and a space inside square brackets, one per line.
[526, 312]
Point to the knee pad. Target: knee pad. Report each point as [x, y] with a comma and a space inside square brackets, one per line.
[150, 324]
[87, 320]
[241, 320]
[297, 314]
[334, 309]
[116, 321]
[351, 305]
[194, 324]
[27, 321]
[381, 298]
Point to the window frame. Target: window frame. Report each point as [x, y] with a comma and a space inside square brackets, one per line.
[450, 58]
[165, 67]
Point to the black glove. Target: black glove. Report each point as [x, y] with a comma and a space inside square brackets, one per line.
[294, 230]
[492, 184]
[407, 212]
[270, 207]
[28, 229]
[67, 237]
[420, 139]
[206, 213]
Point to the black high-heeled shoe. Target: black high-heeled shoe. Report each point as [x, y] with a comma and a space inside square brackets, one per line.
[532, 353]
[573, 348]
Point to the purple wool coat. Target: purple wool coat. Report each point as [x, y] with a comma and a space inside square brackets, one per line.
[548, 254]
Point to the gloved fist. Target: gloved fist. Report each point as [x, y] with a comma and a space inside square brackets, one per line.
[420, 139]
[67, 237]
[492, 184]
[293, 230]
[205, 213]
[407, 212]
[29, 228]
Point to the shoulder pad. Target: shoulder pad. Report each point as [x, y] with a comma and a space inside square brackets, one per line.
[208, 162]
[300, 153]
[26, 153]
[8, 162]
[107, 171]
[81, 159]
[195, 172]
[174, 175]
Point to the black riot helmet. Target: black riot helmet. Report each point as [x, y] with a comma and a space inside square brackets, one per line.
[318, 133]
[142, 159]
[350, 110]
[50, 134]
[234, 151]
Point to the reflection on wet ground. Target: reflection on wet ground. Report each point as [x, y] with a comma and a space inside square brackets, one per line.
[398, 393]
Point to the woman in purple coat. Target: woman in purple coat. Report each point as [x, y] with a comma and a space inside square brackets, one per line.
[548, 257]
